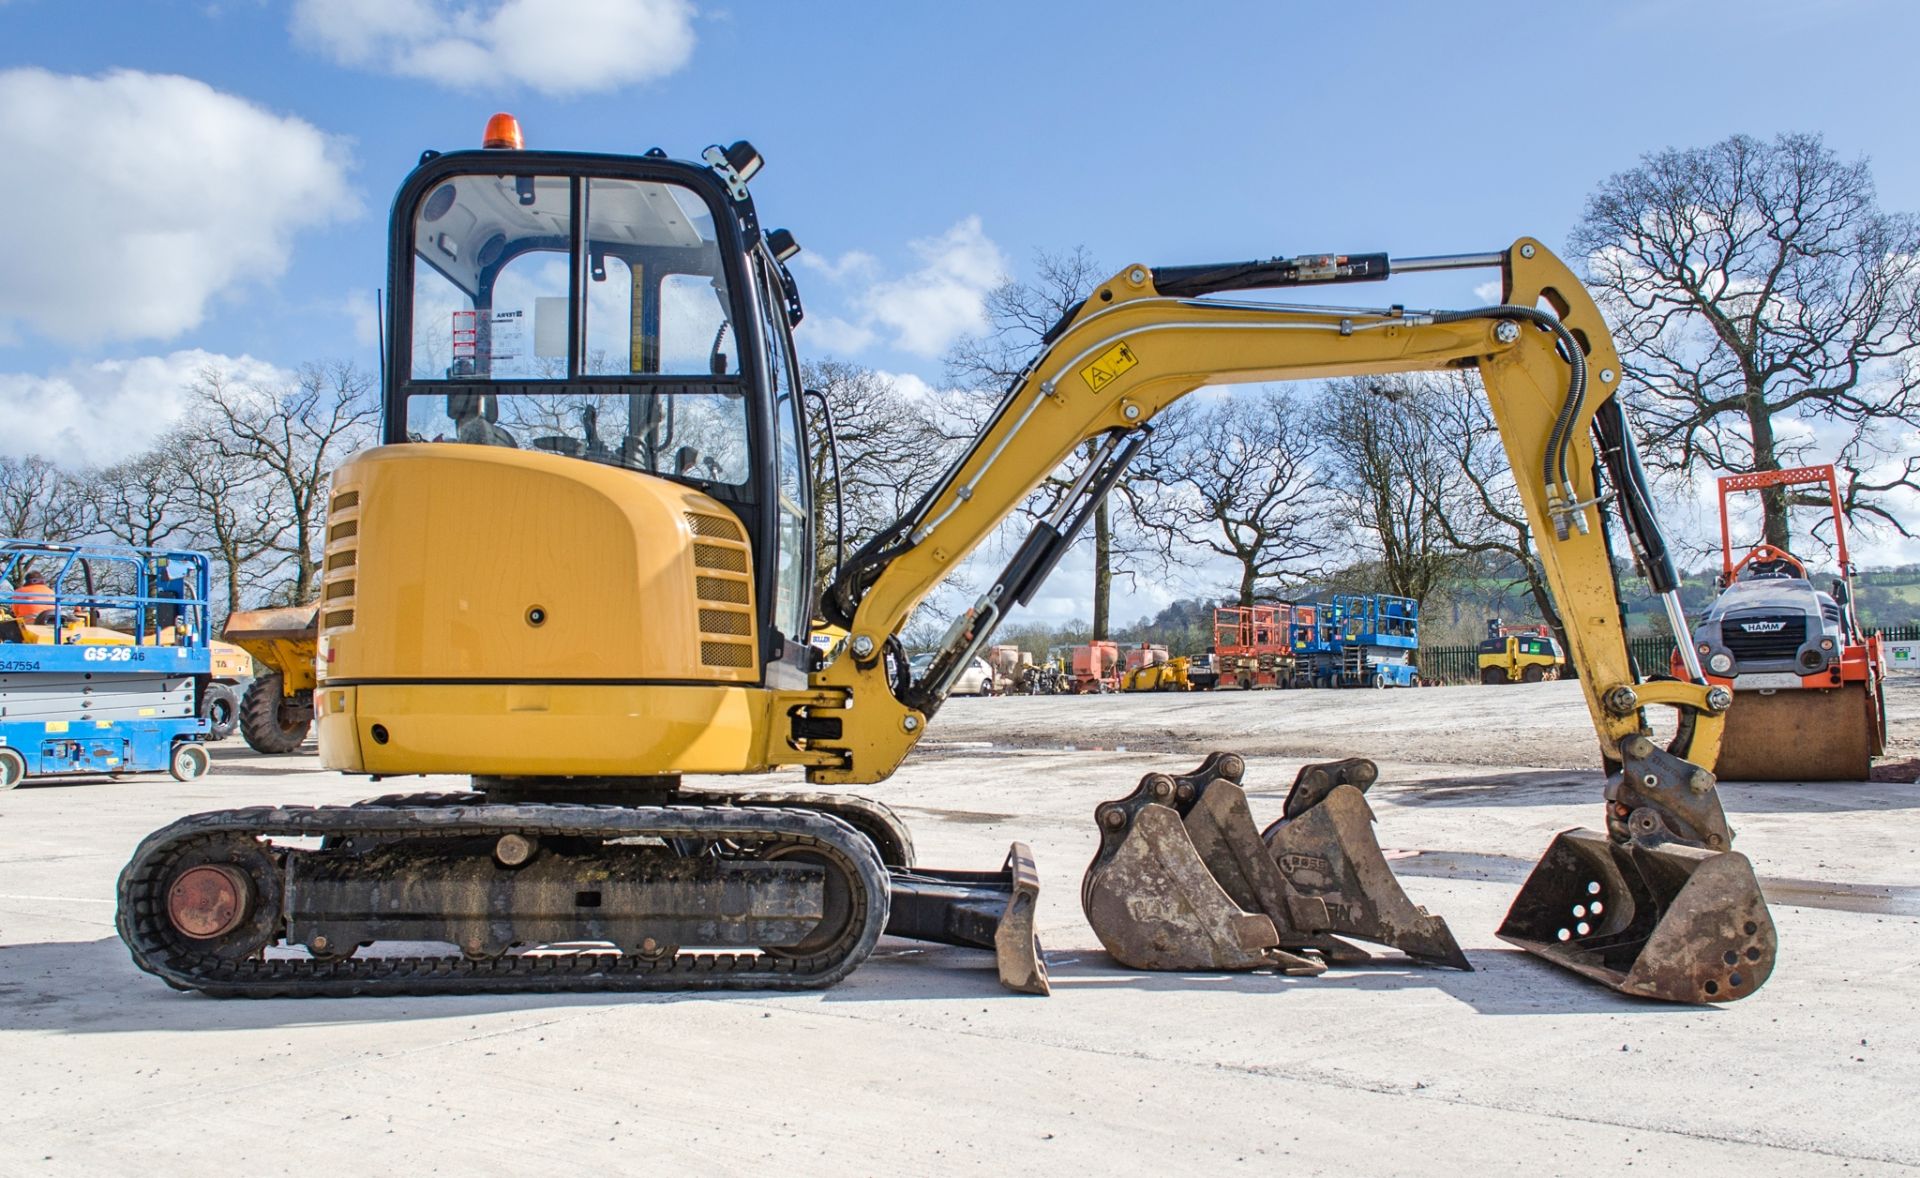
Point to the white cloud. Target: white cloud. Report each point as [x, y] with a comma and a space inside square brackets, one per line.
[1490, 292]
[560, 47]
[921, 312]
[850, 266]
[944, 299]
[99, 413]
[363, 315]
[834, 336]
[138, 197]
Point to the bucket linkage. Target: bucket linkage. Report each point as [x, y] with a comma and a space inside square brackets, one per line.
[1184, 880]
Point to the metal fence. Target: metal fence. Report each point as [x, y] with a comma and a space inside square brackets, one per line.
[1461, 664]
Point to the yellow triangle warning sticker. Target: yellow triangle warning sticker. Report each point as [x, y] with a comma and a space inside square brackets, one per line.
[1108, 366]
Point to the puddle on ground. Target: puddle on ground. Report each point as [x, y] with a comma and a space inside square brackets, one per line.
[965, 817]
[1878, 899]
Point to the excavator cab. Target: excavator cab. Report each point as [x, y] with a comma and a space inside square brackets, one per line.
[624, 311]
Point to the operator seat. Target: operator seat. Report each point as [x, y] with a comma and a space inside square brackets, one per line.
[1772, 564]
[476, 419]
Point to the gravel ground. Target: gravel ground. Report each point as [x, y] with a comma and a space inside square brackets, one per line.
[920, 1064]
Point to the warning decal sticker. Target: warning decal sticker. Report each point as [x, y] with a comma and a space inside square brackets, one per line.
[1107, 366]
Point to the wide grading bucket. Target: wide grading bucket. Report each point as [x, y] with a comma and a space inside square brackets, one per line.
[1656, 906]
[1184, 881]
[1675, 922]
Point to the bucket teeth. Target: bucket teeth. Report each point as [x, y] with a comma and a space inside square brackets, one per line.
[1183, 879]
[1666, 920]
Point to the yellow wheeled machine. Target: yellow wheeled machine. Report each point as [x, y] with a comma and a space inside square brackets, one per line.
[578, 569]
[1519, 654]
[277, 710]
[1166, 675]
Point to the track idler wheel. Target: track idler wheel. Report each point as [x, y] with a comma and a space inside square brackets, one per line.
[222, 899]
[1644, 908]
[1183, 880]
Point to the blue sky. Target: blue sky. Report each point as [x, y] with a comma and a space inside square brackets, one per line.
[916, 150]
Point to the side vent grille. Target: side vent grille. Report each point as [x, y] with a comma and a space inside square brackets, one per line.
[714, 527]
[720, 589]
[724, 588]
[726, 654]
[339, 562]
[725, 621]
[722, 557]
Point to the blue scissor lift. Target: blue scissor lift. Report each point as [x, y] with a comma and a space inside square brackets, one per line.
[1379, 634]
[103, 650]
[1316, 643]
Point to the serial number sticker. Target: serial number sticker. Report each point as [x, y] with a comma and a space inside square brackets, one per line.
[18, 665]
[1107, 367]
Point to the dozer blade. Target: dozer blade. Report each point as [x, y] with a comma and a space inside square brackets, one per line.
[1337, 878]
[1799, 734]
[1681, 923]
[976, 909]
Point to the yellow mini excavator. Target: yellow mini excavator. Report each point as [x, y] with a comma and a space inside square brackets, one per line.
[578, 567]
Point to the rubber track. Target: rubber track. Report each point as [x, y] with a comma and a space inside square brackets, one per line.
[142, 883]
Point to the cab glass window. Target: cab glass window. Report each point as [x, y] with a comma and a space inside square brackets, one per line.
[506, 273]
[492, 256]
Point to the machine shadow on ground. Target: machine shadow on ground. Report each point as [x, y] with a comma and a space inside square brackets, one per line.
[89, 987]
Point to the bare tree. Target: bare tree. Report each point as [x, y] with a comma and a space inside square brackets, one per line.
[1388, 472]
[1477, 504]
[889, 452]
[228, 512]
[1237, 479]
[1019, 315]
[1758, 289]
[141, 501]
[39, 501]
[295, 435]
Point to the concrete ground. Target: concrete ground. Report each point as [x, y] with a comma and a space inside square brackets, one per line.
[919, 1063]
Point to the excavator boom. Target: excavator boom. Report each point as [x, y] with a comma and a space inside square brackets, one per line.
[1144, 339]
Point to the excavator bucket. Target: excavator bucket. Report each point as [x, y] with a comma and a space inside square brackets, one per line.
[1681, 923]
[1183, 880]
[1324, 845]
[976, 909]
[1800, 734]
[1657, 905]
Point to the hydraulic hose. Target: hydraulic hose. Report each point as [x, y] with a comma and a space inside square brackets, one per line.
[1554, 465]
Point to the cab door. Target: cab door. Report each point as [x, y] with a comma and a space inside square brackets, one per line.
[791, 613]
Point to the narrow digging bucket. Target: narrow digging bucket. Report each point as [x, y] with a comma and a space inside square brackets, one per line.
[1674, 922]
[1183, 880]
[1337, 877]
[976, 909]
[1799, 734]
